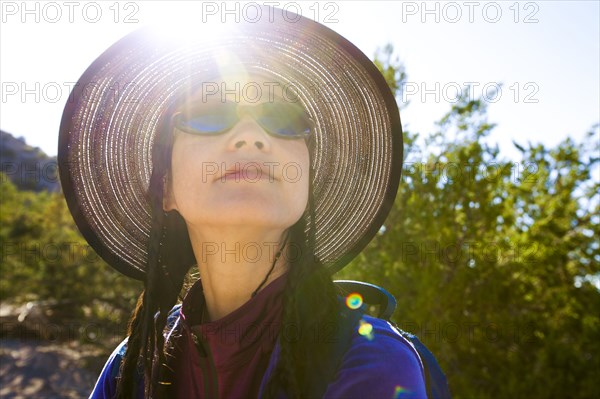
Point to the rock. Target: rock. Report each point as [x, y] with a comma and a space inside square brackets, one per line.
[38, 369]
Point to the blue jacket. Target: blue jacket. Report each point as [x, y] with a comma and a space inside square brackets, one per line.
[380, 363]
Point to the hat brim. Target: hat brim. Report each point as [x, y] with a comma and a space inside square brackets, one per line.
[110, 122]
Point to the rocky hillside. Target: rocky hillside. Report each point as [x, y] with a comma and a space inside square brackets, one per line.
[29, 168]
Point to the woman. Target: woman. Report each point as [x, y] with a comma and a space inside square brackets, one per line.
[267, 157]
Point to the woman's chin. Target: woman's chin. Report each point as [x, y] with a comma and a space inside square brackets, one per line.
[244, 216]
[245, 208]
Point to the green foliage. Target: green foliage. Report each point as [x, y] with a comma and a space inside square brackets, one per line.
[44, 257]
[492, 261]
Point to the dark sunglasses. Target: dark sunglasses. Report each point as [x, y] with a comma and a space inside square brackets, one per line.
[280, 119]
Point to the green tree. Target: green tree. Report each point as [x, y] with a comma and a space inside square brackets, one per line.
[490, 260]
[44, 257]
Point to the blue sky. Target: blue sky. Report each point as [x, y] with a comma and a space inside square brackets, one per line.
[545, 53]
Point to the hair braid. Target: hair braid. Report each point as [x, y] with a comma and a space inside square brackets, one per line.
[170, 256]
[141, 332]
[310, 303]
[125, 385]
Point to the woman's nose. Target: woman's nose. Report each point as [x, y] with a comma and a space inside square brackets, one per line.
[241, 143]
[247, 134]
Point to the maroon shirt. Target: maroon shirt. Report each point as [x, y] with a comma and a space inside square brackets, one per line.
[226, 358]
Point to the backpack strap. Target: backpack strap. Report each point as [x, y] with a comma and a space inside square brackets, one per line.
[435, 380]
[371, 294]
[173, 315]
[320, 377]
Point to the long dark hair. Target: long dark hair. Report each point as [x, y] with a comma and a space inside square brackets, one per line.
[310, 299]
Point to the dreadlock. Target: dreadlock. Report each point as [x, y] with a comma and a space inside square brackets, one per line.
[170, 256]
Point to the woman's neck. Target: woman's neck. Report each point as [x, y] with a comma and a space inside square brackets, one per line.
[233, 263]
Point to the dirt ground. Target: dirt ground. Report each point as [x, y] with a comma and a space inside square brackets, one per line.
[46, 354]
[35, 369]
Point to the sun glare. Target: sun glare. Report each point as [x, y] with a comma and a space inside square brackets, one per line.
[187, 28]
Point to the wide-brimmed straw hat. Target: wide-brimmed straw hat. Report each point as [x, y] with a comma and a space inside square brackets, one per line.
[110, 122]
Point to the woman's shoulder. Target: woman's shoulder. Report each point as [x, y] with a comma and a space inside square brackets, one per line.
[106, 385]
[380, 362]
[107, 382]
[381, 333]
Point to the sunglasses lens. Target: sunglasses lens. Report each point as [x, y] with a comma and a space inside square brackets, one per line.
[284, 127]
[205, 124]
[285, 120]
[207, 120]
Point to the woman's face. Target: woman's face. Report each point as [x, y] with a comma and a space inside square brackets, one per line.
[244, 176]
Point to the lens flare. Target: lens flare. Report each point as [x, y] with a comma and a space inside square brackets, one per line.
[354, 301]
[399, 390]
[366, 330]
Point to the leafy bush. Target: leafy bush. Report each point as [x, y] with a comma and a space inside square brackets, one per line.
[495, 264]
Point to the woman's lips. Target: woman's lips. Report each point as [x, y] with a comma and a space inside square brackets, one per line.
[247, 176]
